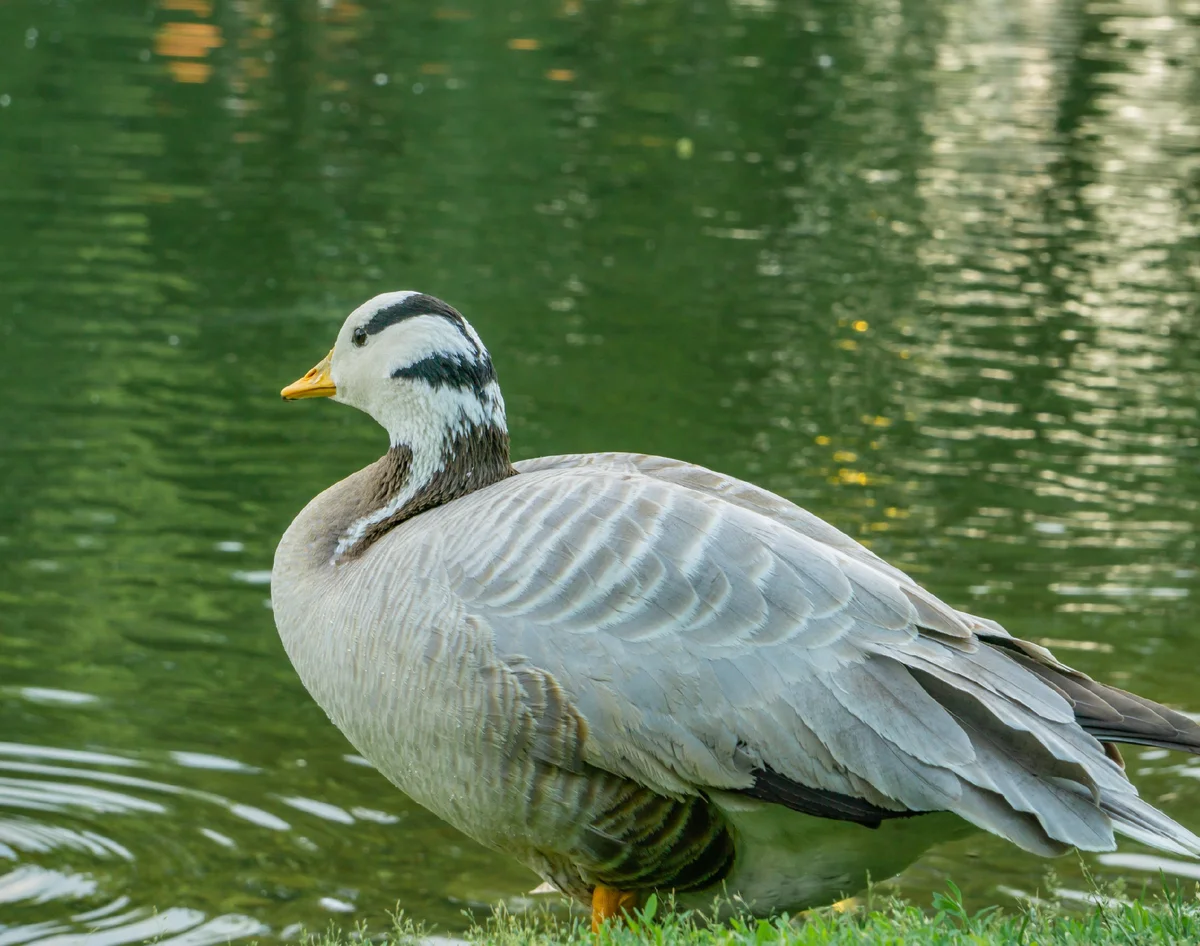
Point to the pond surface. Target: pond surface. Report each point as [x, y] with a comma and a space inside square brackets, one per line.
[930, 269]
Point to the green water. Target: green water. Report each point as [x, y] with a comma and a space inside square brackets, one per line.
[931, 269]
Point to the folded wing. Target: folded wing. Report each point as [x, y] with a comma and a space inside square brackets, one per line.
[713, 636]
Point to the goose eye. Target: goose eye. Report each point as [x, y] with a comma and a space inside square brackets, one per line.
[359, 337]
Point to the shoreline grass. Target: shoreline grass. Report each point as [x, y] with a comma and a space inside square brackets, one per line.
[1170, 918]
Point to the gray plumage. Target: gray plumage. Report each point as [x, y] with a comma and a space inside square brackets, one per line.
[632, 671]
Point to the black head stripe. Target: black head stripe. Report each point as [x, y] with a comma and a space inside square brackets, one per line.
[420, 304]
[441, 371]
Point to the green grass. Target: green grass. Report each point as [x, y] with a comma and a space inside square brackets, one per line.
[1171, 918]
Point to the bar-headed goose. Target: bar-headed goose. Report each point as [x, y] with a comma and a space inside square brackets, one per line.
[632, 673]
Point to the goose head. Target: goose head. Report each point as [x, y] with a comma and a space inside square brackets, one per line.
[412, 362]
[415, 364]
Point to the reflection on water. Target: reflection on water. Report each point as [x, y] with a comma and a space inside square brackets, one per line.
[929, 268]
[58, 803]
[80, 830]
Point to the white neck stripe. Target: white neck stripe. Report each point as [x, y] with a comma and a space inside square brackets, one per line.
[460, 411]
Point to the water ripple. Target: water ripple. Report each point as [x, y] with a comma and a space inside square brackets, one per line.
[77, 827]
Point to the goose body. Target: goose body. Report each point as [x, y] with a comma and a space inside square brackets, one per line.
[632, 673]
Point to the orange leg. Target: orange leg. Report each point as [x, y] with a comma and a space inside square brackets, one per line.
[607, 903]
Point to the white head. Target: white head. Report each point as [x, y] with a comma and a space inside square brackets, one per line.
[415, 365]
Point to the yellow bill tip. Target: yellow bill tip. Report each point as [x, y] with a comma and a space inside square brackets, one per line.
[317, 383]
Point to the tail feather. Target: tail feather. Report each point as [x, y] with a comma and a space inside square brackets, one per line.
[1108, 713]
[1112, 715]
[1042, 778]
[1141, 821]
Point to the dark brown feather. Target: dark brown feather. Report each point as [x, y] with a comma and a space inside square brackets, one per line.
[473, 459]
[1108, 713]
[821, 803]
[641, 840]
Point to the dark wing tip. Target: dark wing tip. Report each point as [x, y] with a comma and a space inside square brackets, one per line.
[778, 789]
[1109, 713]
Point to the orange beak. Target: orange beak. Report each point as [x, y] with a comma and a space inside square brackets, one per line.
[317, 383]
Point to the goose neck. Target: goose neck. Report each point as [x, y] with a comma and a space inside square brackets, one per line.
[415, 476]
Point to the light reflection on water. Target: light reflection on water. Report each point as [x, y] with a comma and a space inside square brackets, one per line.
[83, 831]
[102, 827]
[928, 268]
[60, 811]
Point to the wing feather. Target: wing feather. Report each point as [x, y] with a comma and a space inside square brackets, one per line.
[704, 630]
